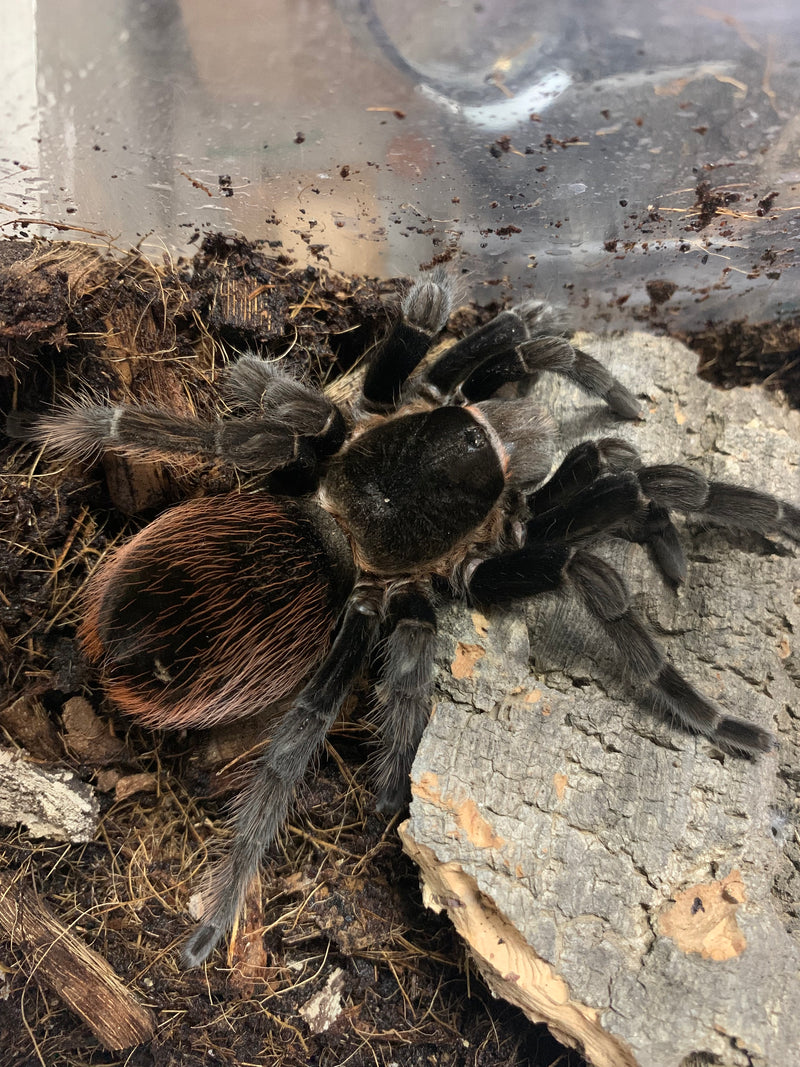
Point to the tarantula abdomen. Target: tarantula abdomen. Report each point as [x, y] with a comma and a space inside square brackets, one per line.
[217, 609]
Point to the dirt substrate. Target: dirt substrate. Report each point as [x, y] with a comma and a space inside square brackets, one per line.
[351, 968]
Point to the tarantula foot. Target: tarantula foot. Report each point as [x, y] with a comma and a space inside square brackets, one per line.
[742, 738]
[200, 945]
[392, 798]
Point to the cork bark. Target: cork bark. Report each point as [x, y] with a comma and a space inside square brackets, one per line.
[618, 878]
[49, 802]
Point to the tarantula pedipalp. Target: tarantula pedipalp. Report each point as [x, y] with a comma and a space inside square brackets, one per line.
[426, 482]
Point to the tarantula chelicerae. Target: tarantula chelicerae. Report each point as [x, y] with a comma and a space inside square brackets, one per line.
[426, 482]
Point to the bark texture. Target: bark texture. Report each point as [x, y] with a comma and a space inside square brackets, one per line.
[79, 975]
[618, 878]
[49, 802]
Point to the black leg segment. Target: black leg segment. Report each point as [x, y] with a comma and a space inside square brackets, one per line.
[516, 575]
[495, 341]
[425, 311]
[403, 692]
[262, 808]
[521, 343]
[605, 505]
[581, 466]
[606, 597]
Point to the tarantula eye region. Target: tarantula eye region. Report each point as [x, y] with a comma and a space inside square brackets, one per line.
[474, 438]
[523, 435]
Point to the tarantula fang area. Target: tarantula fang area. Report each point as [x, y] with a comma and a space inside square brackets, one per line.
[427, 482]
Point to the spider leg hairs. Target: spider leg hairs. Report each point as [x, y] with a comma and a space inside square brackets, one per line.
[430, 483]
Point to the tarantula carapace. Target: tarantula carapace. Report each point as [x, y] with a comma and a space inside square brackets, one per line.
[428, 482]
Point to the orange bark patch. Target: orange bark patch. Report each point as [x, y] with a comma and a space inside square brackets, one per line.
[703, 919]
[477, 829]
[465, 659]
[465, 812]
[560, 785]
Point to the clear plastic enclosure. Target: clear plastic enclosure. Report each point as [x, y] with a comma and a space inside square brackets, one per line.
[616, 156]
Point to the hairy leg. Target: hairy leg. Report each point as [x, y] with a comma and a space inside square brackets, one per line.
[606, 597]
[664, 488]
[424, 313]
[403, 691]
[581, 508]
[293, 435]
[262, 807]
[521, 343]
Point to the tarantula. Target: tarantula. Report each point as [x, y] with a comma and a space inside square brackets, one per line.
[427, 482]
